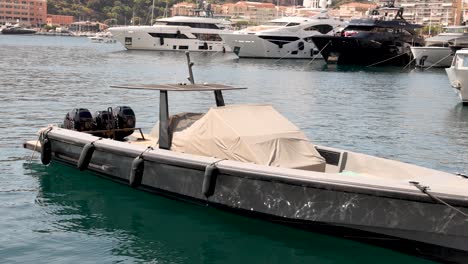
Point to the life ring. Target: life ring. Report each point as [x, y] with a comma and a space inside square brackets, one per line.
[85, 156]
[46, 151]
[136, 173]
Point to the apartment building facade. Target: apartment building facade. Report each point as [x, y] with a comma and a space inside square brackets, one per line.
[26, 12]
[433, 12]
[59, 20]
[255, 12]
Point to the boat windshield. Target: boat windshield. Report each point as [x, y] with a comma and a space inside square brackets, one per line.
[189, 24]
[359, 28]
[456, 29]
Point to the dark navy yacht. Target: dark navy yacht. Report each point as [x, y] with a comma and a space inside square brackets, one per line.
[381, 39]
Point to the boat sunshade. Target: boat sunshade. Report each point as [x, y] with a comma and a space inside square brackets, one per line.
[179, 87]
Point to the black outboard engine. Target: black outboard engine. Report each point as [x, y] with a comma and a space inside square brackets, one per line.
[104, 120]
[79, 119]
[124, 118]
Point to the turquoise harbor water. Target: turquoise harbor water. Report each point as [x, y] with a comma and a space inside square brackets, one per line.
[56, 214]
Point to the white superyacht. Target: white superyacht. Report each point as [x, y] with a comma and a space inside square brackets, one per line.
[286, 37]
[178, 33]
[437, 51]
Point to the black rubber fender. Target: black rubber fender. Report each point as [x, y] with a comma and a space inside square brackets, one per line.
[85, 156]
[209, 180]
[46, 151]
[136, 173]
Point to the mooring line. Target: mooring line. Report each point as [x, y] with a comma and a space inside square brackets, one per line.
[388, 59]
[316, 55]
[437, 62]
[287, 53]
[146, 150]
[409, 63]
[424, 189]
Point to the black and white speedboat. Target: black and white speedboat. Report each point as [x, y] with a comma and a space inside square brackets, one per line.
[286, 37]
[251, 160]
[377, 40]
[17, 30]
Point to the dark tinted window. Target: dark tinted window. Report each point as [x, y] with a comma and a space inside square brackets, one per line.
[169, 35]
[193, 25]
[324, 29]
[208, 37]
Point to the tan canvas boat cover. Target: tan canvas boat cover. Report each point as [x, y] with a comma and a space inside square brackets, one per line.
[249, 133]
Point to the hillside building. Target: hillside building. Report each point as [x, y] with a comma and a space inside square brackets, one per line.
[59, 20]
[354, 10]
[433, 12]
[25, 12]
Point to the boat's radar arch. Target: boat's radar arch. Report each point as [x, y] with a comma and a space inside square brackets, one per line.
[164, 135]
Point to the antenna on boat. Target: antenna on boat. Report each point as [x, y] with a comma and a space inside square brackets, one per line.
[152, 13]
[190, 65]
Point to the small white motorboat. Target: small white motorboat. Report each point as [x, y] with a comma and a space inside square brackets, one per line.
[102, 37]
[458, 74]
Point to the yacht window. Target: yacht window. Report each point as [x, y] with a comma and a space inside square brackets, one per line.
[380, 30]
[276, 24]
[279, 40]
[193, 25]
[358, 28]
[324, 29]
[183, 47]
[292, 24]
[405, 32]
[208, 37]
[169, 35]
[464, 61]
[456, 30]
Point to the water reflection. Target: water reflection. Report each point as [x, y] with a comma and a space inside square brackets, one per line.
[146, 227]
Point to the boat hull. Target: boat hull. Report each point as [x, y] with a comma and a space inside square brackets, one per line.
[140, 38]
[252, 46]
[432, 56]
[361, 51]
[429, 229]
[459, 81]
[8, 31]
